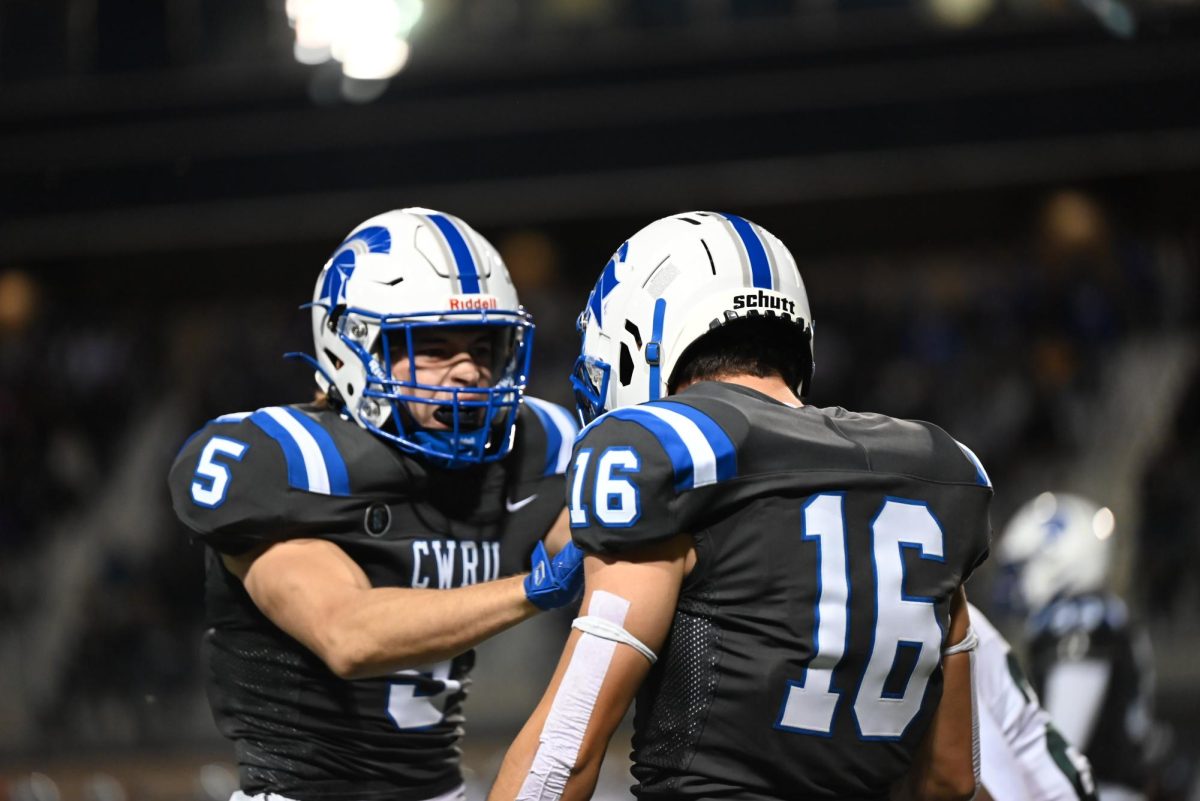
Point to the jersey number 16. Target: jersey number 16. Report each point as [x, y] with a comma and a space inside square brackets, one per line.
[902, 621]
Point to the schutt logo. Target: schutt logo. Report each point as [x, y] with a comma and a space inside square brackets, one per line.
[764, 301]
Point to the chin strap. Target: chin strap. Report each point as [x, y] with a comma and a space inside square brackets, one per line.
[445, 449]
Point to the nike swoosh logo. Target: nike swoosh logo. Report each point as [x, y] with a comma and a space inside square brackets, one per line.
[512, 506]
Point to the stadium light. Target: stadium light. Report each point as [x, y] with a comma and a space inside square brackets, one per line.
[369, 38]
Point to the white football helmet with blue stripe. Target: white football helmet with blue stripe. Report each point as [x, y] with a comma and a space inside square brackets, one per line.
[1057, 545]
[405, 270]
[667, 286]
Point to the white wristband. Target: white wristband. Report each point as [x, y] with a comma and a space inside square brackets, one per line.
[608, 630]
[969, 643]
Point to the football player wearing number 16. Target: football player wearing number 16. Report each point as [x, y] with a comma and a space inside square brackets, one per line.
[780, 585]
[357, 547]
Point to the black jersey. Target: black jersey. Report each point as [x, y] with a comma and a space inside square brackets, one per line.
[804, 659]
[1089, 662]
[297, 471]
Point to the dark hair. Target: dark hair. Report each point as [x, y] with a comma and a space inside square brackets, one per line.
[757, 346]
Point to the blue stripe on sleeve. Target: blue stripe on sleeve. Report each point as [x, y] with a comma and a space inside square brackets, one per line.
[335, 466]
[297, 473]
[468, 273]
[721, 444]
[760, 268]
[981, 476]
[681, 458]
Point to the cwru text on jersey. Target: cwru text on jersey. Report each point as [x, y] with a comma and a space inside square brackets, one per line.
[443, 564]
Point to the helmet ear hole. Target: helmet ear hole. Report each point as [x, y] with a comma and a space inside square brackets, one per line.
[350, 389]
[625, 372]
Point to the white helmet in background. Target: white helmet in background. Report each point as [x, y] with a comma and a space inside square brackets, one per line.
[1059, 545]
[670, 284]
[402, 271]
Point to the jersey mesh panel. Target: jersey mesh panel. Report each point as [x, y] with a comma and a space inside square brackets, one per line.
[682, 693]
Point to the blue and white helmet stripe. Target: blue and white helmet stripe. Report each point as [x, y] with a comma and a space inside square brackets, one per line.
[464, 260]
[313, 461]
[981, 475]
[760, 263]
[560, 434]
[701, 453]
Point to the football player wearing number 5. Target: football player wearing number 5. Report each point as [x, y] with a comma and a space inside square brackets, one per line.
[358, 547]
[779, 585]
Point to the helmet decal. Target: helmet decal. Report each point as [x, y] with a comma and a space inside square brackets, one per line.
[375, 239]
[606, 284]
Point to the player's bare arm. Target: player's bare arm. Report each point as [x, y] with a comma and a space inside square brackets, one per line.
[313, 591]
[944, 766]
[648, 580]
[559, 534]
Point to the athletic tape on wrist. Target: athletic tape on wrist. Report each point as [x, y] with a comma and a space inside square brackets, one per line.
[571, 710]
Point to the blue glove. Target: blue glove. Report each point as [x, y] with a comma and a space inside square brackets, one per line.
[554, 582]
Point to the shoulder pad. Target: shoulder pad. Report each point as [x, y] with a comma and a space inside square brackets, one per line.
[631, 468]
[233, 483]
[546, 432]
[698, 450]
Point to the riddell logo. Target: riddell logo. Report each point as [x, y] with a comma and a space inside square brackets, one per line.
[473, 302]
[764, 301]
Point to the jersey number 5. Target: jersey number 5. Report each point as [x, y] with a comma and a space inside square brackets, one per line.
[903, 622]
[212, 477]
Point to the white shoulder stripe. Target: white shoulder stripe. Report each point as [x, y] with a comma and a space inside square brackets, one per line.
[566, 429]
[314, 462]
[235, 417]
[704, 458]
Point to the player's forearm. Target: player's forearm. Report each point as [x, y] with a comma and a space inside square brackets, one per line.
[580, 776]
[389, 628]
[944, 767]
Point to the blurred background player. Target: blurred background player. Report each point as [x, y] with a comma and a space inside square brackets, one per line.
[780, 582]
[1091, 665]
[358, 544]
[1023, 757]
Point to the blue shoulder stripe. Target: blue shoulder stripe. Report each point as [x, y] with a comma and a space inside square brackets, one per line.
[723, 447]
[335, 465]
[760, 266]
[468, 273]
[560, 434]
[981, 476]
[297, 472]
[699, 451]
[313, 461]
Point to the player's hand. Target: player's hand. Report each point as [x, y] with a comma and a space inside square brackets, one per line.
[554, 582]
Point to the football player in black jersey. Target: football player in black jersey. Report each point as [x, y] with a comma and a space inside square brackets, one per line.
[358, 547]
[779, 584]
[1091, 665]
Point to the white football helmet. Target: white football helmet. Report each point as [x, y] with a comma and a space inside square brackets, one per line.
[668, 285]
[1057, 545]
[410, 269]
